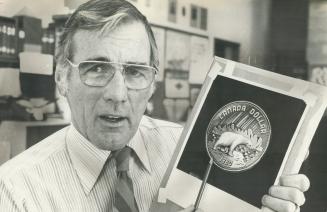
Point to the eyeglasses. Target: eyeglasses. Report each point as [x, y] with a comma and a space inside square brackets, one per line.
[99, 73]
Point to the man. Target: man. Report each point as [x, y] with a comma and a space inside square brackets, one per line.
[106, 65]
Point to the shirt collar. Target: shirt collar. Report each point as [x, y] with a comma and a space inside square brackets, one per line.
[137, 144]
[88, 160]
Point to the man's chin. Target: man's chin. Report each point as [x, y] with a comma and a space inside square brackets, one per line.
[113, 142]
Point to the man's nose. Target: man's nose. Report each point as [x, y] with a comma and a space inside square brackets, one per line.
[116, 89]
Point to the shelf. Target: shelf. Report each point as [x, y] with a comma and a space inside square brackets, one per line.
[8, 39]
[9, 61]
[8, 58]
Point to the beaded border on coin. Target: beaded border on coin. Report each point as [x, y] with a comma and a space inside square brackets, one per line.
[238, 135]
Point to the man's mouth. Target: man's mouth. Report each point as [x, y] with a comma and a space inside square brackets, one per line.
[112, 119]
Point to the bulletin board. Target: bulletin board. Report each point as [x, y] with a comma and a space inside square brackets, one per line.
[182, 56]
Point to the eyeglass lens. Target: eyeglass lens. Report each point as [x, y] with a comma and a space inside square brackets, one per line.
[100, 73]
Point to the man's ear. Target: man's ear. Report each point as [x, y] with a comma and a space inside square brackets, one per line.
[61, 78]
[153, 88]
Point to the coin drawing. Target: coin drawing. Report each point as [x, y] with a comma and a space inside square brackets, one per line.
[238, 135]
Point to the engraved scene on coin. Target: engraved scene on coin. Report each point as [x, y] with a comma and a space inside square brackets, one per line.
[238, 135]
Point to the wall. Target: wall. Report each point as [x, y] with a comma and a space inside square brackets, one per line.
[317, 42]
[241, 21]
[289, 26]
[43, 9]
[317, 33]
[245, 22]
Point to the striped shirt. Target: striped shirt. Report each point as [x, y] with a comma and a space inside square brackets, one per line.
[65, 172]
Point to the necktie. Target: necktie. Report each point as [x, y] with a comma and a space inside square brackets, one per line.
[124, 195]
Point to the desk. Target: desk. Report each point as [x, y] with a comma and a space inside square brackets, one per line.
[23, 134]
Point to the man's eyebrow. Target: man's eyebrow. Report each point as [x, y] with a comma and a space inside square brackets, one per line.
[105, 59]
[98, 59]
[137, 63]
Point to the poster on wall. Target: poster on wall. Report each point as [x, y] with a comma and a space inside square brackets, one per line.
[176, 84]
[177, 51]
[159, 35]
[242, 129]
[176, 109]
[200, 58]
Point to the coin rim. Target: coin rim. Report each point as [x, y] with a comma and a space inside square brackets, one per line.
[268, 140]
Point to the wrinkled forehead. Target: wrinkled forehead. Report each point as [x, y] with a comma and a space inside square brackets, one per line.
[128, 41]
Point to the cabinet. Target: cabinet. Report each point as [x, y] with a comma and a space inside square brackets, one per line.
[21, 135]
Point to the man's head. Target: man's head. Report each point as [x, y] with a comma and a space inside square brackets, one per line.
[102, 15]
[106, 106]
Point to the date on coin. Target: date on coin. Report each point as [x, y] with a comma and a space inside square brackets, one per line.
[238, 136]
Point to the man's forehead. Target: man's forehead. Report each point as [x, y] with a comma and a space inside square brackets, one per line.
[108, 30]
[124, 42]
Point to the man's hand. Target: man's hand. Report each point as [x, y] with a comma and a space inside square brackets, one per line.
[191, 209]
[287, 196]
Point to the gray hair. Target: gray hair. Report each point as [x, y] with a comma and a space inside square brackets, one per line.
[102, 15]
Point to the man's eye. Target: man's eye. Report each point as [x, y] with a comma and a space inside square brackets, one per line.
[97, 69]
[134, 72]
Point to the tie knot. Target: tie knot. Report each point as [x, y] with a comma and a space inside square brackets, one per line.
[122, 159]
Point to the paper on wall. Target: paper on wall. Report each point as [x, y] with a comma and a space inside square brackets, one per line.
[176, 84]
[200, 59]
[36, 63]
[9, 82]
[177, 51]
[176, 108]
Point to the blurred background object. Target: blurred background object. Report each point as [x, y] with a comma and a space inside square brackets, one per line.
[4, 151]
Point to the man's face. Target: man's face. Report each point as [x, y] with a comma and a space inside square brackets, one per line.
[109, 116]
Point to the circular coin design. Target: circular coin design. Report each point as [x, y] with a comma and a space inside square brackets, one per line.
[238, 135]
